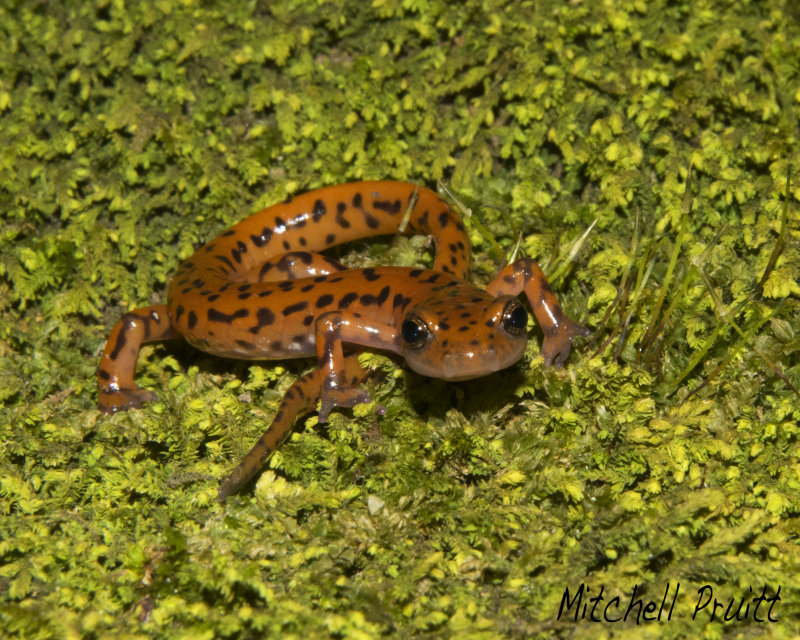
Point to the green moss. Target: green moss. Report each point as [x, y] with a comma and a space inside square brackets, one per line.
[667, 449]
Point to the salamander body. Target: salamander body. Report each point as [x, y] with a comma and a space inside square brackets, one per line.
[262, 291]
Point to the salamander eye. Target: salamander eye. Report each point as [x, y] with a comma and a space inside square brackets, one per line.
[515, 318]
[415, 332]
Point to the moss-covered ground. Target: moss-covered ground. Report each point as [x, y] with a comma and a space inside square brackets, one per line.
[646, 152]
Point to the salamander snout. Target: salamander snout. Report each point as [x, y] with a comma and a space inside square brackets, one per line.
[458, 339]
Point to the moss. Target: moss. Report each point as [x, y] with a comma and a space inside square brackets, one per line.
[666, 451]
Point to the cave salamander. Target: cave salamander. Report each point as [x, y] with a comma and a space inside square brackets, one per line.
[261, 291]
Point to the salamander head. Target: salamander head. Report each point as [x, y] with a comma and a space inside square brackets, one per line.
[464, 337]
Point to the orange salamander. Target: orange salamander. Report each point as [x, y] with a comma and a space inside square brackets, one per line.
[261, 292]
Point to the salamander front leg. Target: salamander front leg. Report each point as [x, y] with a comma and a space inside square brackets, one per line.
[559, 331]
[299, 399]
[334, 328]
[116, 387]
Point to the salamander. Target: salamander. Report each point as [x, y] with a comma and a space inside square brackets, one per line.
[262, 291]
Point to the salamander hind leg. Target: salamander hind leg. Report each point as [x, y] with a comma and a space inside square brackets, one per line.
[117, 390]
[293, 265]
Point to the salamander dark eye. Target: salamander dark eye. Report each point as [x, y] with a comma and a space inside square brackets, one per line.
[515, 318]
[415, 332]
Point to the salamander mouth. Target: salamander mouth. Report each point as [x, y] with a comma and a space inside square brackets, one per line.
[466, 364]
